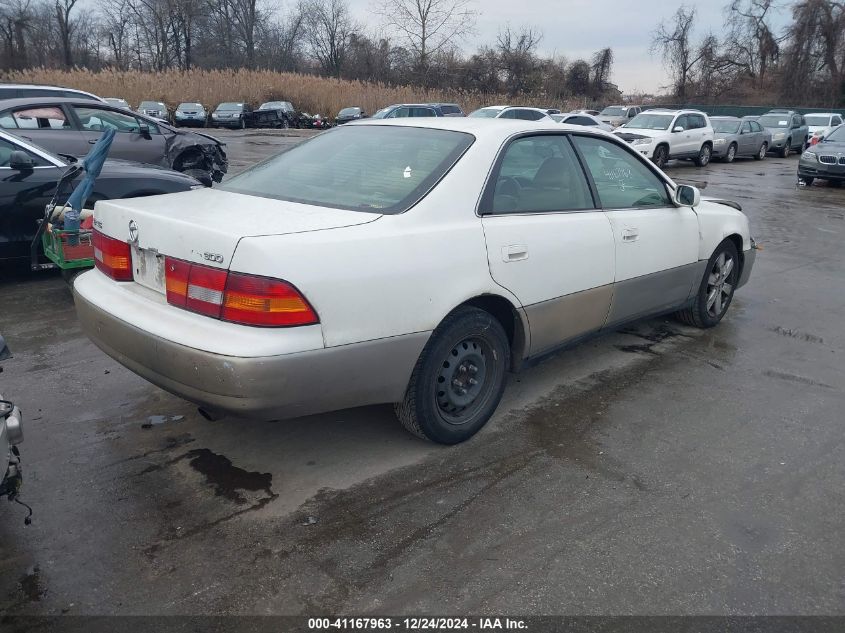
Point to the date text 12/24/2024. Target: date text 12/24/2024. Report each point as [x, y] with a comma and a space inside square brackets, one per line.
[416, 624]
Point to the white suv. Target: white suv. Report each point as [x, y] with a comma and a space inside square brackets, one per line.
[665, 134]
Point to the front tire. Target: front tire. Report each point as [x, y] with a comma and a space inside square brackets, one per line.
[459, 378]
[716, 290]
[704, 154]
[661, 156]
[729, 157]
[784, 151]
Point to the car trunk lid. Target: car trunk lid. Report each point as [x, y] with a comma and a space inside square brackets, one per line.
[204, 226]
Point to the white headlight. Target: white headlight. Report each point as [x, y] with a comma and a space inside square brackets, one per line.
[719, 141]
[779, 135]
[811, 156]
[641, 141]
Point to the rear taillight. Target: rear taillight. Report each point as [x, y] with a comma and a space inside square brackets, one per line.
[112, 257]
[235, 297]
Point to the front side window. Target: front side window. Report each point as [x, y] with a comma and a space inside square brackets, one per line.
[400, 113]
[422, 112]
[622, 180]
[682, 122]
[539, 174]
[755, 127]
[613, 111]
[98, 120]
[746, 127]
[44, 118]
[6, 149]
[836, 120]
[486, 113]
[377, 169]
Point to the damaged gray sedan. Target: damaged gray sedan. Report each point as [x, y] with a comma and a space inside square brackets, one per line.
[72, 126]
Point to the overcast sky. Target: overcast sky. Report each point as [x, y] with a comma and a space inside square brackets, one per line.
[577, 28]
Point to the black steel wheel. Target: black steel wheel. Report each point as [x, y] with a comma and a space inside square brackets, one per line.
[459, 378]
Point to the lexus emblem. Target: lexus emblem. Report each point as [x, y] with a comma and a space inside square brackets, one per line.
[133, 231]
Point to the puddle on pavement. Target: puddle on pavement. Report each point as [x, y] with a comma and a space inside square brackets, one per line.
[227, 478]
[30, 585]
[156, 420]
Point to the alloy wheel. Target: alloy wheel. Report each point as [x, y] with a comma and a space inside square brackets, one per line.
[720, 285]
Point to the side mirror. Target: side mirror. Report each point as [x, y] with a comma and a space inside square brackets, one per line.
[687, 196]
[678, 128]
[21, 161]
[145, 130]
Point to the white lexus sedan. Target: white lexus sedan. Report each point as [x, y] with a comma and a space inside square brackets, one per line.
[413, 262]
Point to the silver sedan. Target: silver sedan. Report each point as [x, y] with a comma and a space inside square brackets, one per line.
[734, 137]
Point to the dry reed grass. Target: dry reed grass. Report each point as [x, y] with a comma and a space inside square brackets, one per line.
[210, 87]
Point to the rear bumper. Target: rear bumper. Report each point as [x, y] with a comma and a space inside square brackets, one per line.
[268, 387]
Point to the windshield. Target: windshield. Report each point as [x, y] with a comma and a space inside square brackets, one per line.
[383, 112]
[377, 169]
[614, 111]
[725, 127]
[230, 106]
[821, 121]
[271, 105]
[120, 103]
[349, 112]
[646, 121]
[774, 120]
[486, 113]
[151, 105]
[837, 134]
[189, 106]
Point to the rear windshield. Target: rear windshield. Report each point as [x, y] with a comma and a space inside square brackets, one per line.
[377, 169]
[818, 120]
[725, 127]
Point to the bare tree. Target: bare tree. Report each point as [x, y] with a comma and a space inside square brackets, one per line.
[601, 68]
[428, 27]
[673, 40]
[518, 59]
[327, 26]
[751, 43]
[63, 21]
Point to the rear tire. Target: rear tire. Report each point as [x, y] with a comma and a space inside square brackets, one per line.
[716, 290]
[704, 154]
[764, 148]
[459, 378]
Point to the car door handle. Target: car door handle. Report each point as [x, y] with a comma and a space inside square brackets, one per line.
[91, 142]
[630, 235]
[514, 253]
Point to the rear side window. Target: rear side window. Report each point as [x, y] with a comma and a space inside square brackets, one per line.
[378, 169]
[450, 109]
[581, 120]
[523, 114]
[538, 174]
[423, 112]
[622, 180]
[44, 118]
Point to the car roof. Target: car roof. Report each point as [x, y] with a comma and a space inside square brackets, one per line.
[725, 117]
[822, 114]
[481, 127]
[10, 103]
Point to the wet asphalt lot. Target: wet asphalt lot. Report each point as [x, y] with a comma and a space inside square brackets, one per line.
[657, 470]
